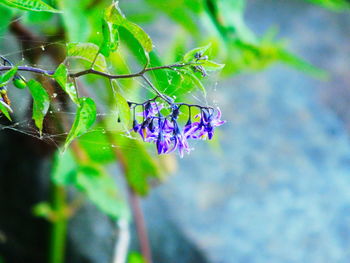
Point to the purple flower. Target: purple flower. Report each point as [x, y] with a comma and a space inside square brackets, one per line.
[205, 127]
[180, 141]
[164, 138]
[165, 132]
[151, 109]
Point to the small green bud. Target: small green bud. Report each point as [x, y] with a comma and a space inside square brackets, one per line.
[19, 83]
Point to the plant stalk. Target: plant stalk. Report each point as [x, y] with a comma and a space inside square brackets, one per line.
[59, 226]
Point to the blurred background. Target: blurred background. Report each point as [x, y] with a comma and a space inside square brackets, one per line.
[274, 185]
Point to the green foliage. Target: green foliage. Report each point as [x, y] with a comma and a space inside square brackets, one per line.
[88, 52]
[110, 41]
[190, 81]
[6, 16]
[123, 111]
[84, 118]
[115, 16]
[61, 75]
[209, 65]
[92, 180]
[183, 12]
[101, 190]
[5, 78]
[75, 19]
[43, 209]
[41, 102]
[138, 176]
[135, 257]
[4, 108]
[335, 5]
[190, 55]
[97, 146]
[31, 5]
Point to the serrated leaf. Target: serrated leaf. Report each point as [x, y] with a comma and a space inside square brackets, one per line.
[41, 102]
[87, 52]
[30, 5]
[115, 16]
[110, 41]
[211, 65]
[102, 191]
[4, 108]
[84, 118]
[61, 76]
[123, 111]
[190, 55]
[6, 77]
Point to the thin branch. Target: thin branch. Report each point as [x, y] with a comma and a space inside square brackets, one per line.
[96, 72]
[29, 69]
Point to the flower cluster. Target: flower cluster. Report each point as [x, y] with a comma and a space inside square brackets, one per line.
[160, 124]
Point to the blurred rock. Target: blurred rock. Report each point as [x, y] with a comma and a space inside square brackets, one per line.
[278, 191]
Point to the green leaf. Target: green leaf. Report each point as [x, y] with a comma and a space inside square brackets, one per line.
[93, 181]
[135, 257]
[38, 17]
[194, 81]
[30, 5]
[190, 55]
[115, 16]
[5, 78]
[231, 16]
[123, 111]
[64, 167]
[137, 175]
[110, 41]
[184, 13]
[87, 52]
[301, 65]
[43, 209]
[97, 146]
[84, 118]
[61, 75]
[75, 19]
[41, 102]
[4, 108]
[101, 189]
[211, 65]
[6, 16]
[335, 5]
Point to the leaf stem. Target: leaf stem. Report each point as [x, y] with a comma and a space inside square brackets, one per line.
[59, 226]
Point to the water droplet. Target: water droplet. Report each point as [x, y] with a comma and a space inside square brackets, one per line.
[42, 48]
